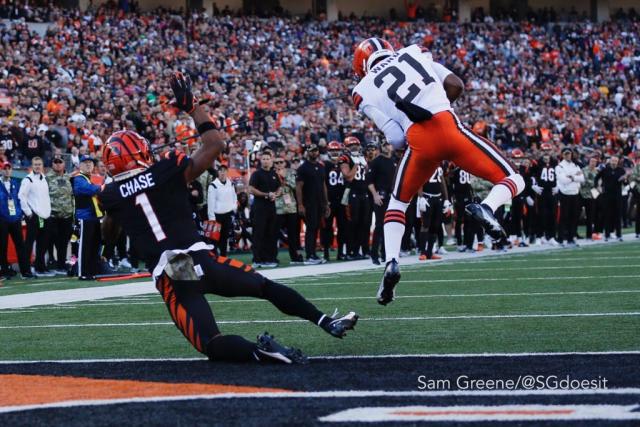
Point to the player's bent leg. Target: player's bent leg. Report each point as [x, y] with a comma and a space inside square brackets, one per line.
[482, 158]
[232, 278]
[415, 168]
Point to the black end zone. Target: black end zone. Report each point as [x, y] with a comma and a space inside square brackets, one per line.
[357, 374]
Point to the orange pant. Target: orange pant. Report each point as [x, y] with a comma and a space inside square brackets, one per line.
[443, 137]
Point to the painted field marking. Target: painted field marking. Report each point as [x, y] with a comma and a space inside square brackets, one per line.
[425, 296]
[341, 357]
[377, 319]
[325, 395]
[557, 267]
[483, 279]
[485, 413]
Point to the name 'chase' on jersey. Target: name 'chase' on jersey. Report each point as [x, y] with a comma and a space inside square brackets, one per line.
[137, 184]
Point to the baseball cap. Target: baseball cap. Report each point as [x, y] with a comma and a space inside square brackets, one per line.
[59, 159]
[311, 147]
[7, 165]
[87, 158]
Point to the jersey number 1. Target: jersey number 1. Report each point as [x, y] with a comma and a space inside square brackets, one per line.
[143, 201]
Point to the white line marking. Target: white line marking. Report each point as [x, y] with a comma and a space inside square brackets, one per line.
[236, 300]
[467, 413]
[557, 267]
[344, 357]
[377, 319]
[484, 279]
[143, 288]
[325, 394]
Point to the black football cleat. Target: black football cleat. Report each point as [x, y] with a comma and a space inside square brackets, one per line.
[390, 279]
[270, 350]
[338, 327]
[484, 215]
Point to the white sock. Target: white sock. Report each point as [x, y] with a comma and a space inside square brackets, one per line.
[394, 230]
[498, 196]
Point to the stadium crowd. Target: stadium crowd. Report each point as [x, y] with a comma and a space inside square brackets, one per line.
[280, 88]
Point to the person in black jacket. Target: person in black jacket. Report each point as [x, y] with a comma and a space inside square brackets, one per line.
[381, 173]
[611, 177]
[11, 224]
[264, 184]
[311, 194]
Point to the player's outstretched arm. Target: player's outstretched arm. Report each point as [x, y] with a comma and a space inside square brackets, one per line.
[212, 145]
[212, 140]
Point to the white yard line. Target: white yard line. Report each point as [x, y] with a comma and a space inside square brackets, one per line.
[425, 296]
[327, 395]
[372, 319]
[343, 357]
[143, 288]
[427, 281]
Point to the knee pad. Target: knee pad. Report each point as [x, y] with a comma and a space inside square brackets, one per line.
[518, 181]
[397, 205]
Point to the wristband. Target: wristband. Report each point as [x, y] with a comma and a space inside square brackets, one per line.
[206, 126]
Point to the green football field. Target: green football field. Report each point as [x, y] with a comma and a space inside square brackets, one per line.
[566, 300]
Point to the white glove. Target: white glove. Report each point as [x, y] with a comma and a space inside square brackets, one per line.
[529, 201]
[446, 207]
[554, 190]
[537, 189]
[423, 204]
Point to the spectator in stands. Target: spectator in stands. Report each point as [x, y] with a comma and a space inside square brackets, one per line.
[61, 221]
[265, 187]
[287, 210]
[88, 215]
[11, 224]
[569, 177]
[611, 178]
[222, 203]
[311, 194]
[36, 205]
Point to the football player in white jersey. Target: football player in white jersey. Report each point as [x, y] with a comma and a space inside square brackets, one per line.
[408, 96]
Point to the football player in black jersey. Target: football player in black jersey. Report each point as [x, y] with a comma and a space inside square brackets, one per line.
[463, 195]
[151, 202]
[434, 192]
[544, 185]
[354, 169]
[335, 190]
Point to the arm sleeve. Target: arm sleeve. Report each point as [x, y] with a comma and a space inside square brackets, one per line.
[562, 176]
[82, 188]
[441, 71]
[392, 130]
[211, 205]
[23, 194]
[579, 176]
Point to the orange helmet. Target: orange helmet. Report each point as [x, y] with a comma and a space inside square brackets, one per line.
[126, 150]
[351, 140]
[517, 153]
[367, 52]
[546, 146]
[334, 145]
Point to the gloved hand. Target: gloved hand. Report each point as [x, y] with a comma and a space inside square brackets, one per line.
[536, 189]
[447, 208]
[554, 190]
[529, 201]
[423, 204]
[181, 87]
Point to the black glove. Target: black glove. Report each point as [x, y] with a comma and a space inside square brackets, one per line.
[181, 87]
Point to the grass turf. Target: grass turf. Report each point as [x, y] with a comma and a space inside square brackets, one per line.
[462, 307]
